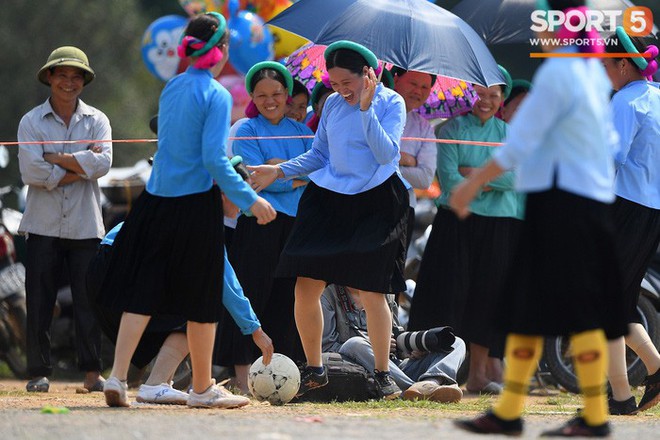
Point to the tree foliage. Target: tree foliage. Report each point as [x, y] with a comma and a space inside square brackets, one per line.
[110, 33]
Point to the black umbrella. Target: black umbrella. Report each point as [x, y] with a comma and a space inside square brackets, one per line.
[504, 25]
[413, 34]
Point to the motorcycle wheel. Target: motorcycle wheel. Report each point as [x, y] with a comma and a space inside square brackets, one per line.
[560, 364]
[16, 356]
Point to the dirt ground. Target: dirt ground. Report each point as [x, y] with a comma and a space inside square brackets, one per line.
[21, 417]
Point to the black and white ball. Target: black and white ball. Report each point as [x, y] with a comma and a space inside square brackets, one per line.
[277, 382]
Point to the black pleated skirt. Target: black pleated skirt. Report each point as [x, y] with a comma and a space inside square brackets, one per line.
[254, 255]
[156, 332]
[168, 258]
[461, 277]
[352, 240]
[566, 276]
[638, 234]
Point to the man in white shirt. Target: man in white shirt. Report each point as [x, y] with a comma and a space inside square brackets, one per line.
[62, 221]
[418, 158]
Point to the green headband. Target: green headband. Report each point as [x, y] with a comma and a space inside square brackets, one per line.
[222, 25]
[630, 48]
[368, 55]
[235, 160]
[316, 92]
[387, 79]
[507, 81]
[269, 65]
[543, 5]
[522, 83]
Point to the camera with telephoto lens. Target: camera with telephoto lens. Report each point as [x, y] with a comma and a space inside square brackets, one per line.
[436, 340]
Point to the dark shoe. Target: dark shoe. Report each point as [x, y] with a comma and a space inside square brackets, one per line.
[577, 427]
[389, 390]
[38, 385]
[651, 395]
[96, 387]
[489, 423]
[310, 380]
[622, 408]
[491, 388]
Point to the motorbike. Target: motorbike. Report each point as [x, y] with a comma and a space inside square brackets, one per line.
[13, 313]
[557, 355]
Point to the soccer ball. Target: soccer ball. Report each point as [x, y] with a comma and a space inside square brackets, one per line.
[277, 382]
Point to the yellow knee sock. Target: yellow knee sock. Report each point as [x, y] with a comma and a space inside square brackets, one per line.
[522, 356]
[590, 360]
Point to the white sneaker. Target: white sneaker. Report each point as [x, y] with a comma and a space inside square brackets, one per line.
[116, 392]
[216, 396]
[163, 393]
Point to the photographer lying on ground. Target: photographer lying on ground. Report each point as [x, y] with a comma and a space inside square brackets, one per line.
[428, 374]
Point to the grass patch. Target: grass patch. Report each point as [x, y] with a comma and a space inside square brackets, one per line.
[5, 372]
[563, 403]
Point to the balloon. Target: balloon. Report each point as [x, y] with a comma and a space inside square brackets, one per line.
[268, 9]
[285, 41]
[159, 44]
[235, 84]
[250, 41]
[194, 7]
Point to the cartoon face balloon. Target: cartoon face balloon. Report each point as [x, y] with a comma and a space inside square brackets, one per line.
[159, 44]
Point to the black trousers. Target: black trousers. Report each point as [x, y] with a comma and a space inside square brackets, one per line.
[45, 261]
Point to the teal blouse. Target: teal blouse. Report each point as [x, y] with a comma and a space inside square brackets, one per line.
[502, 201]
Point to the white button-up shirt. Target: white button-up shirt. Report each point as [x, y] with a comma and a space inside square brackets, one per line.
[71, 211]
[421, 175]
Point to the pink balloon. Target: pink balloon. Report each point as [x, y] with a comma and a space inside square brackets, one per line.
[235, 84]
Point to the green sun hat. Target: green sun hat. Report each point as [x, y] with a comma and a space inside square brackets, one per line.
[66, 56]
[269, 65]
[368, 55]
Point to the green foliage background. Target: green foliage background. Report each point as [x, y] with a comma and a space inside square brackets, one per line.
[110, 33]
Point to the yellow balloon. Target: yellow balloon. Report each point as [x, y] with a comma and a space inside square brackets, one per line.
[284, 42]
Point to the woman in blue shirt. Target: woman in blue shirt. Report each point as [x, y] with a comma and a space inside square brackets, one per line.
[352, 217]
[166, 336]
[175, 226]
[255, 250]
[461, 275]
[636, 108]
[566, 272]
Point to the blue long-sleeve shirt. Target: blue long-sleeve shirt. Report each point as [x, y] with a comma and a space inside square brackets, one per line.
[636, 109]
[563, 131]
[233, 297]
[353, 150]
[193, 126]
[281, 193]
[502, 200]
